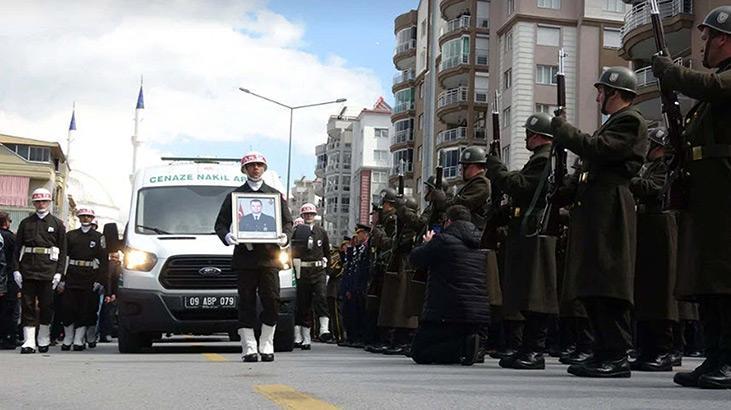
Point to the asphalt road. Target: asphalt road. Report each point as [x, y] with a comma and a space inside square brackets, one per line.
[207, 373]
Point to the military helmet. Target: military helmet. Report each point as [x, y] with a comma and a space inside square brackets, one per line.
[619, 78]
[718, 19]
[539, 123]
[41, 194]
[254, 157]
[411, 203]
[473, 155]
[657, 135]
[308, 208]
[86, 212]
[431, 182]
[388, 195]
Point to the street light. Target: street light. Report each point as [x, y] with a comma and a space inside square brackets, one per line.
[291, 115]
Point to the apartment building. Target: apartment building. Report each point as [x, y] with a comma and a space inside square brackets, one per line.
[680, 20]
[304, 191]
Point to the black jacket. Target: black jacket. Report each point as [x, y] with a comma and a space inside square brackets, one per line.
[456, 289]
[261, 255]
[43, 233]
[7, 283]
[86, 246]
[311, 252]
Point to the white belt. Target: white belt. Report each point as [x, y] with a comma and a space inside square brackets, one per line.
[37, 250]
[86, 264]
[315, 264]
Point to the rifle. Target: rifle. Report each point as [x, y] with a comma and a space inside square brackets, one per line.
[676, 189]
[394, 259]
[439, 175]
[490, 236]
[549, 222]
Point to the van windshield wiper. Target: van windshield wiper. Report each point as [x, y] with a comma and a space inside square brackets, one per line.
[153, 229]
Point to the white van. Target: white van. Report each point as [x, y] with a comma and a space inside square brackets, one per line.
[176, 275]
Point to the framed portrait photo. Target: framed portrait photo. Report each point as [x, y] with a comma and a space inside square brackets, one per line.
[256, 217]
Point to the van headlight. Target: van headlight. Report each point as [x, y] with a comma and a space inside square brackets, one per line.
[284, 258]
[135, 259]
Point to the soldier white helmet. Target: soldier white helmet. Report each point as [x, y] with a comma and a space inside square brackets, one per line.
[308, 209]
[254, 157]
[298, 221]
[41, 194]
[85, 212]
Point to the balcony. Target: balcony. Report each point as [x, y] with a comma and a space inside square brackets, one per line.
[402, 136]
[454, 61]
[452, 96]
[408, 168]
[403, 107]
[451, 9]
[637, 38]
[451, 135]
[648, 98]
[402, 79]
[457, 25]
[404, 54]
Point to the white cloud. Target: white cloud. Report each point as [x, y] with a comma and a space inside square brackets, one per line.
[194, 55]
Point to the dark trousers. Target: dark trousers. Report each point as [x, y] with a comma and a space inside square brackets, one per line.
[715, 315]
[688, 337]
[441, 343]
[310, 296]
[92, 310]
[37, 292]
[336, 318]
[610, 319]
[576, 334]
[513, 333]
[534, 332]
[266, 282]
[8, 304]
[354, 316]
[75, 307]
[655, 337]
[107, 319]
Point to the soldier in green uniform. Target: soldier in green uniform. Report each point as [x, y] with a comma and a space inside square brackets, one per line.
[529, 282]
[603, 224]
[709, 168]
[657, 235]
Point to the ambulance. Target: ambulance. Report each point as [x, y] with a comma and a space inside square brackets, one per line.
[176, 273]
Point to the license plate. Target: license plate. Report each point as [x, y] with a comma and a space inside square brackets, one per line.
[210, 302]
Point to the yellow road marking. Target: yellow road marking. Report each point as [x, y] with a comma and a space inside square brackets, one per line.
[214, 357]
[287, 397]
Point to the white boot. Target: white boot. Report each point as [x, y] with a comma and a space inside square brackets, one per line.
[306, 338]
[79, 335]
[29, 345]
[325, 335]
[266, 343]
[91, 336]
[44, 338]
[248, 345]
[297, 336]
[68, 337]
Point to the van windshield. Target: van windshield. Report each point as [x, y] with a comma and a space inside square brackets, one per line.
[187, 210]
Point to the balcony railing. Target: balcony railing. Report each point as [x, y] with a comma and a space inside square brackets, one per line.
[403, 107]
[639, 14]
[402, 136]
[459, 23]
[454, 134]
[646, 78]
[481, 56]
[452, 96]
[408, 167]
[404, 47]
[454, 61]
[403, 76]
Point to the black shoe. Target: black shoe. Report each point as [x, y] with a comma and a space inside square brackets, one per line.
[480, 356]
[528, 361]
[656, 363]
[105, 339]
[91, 345]
[507, 362]
[471, 350]
[690, 379]
[502, 354]
[567, 352]
[27, 350]
[677, 359]
[694, 353]
[554, 352]
[78, 348]
[375, 348]
[718, 379]
[65, 348]
[394, 350]
[251, 358]
[357, 345]
[267, 357]
[407, 351]
[42, 349]
[325, 337]
[576, 358]
[604, 369]
[297, 345]
[303, 347]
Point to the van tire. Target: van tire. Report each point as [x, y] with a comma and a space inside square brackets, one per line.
[129, 342]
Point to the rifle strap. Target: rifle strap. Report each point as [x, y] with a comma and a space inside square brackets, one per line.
[537, 195]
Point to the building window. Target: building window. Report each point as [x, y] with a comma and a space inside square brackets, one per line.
[403, 131]
[508, 78]
[405, 155]
[614, 6]
[546, 108]
[506, 118]
[345, 204]
[546, 74]
[449, 160]
[549, 4]
[378, 177]
[30, 152]
[346, 183]
[510, 7]
[548, 36]
[346, 159]
[404, 100]
[612, 38]
[381, 132]
[508, 43]
[332, 204]
[380, 155]
[455, 52]
[506, 155]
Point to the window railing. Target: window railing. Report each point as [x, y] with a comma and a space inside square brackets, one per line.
[452, 96]
[454, 134]
[454, 61]
[639, 14]
[404, 47]
[646, 78]
[403, 76]
[403, 107]
[459, 23]
[402, 136]
[408, 167]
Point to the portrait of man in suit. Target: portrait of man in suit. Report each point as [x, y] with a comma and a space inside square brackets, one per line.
[256, 220]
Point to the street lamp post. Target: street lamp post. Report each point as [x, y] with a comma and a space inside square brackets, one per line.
[291, 116]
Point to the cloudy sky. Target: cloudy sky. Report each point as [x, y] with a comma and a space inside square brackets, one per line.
[193, 55]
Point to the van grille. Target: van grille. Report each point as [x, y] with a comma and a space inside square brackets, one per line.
[183, 272]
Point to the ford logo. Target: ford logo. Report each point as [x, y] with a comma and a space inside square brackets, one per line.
[210, 271]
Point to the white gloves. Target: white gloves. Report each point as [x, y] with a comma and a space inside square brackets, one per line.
[97, 288]
[18, 279]
[231, 239]
[56, 281]
[283, 240]
[324, 260]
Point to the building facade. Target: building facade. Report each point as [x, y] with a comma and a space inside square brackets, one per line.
[334, 166]
[304, 191]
